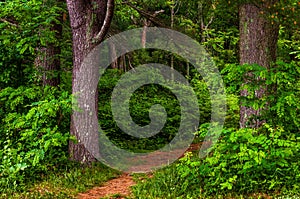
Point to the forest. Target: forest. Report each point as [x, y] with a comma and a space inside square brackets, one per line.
[166, 99]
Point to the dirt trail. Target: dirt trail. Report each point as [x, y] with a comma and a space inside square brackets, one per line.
[119, 186]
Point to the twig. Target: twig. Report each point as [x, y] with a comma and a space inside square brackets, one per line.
[10, 23]
[210, 21]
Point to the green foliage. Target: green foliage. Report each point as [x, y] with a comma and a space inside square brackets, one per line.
[34, 132]
[222, 45]
[288, 44]
[285, 12]
[34, 121]
[140, 103]
[123, 16]
[255, 160]
[280, 104]
[249, 161]
[244, 161]
[25, 28]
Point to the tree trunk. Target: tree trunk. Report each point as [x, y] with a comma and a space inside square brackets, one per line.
[113, 54]
[90, 20]
[48, 60]
[146, 24]
[258, 42]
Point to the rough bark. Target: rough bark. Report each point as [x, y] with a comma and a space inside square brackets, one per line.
[258, 42]
[90, 20]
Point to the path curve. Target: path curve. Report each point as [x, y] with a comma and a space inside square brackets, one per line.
[120, 185]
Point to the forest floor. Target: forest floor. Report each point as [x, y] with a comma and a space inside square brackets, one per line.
[119, 187]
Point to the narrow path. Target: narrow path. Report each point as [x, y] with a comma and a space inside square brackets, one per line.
[119, 186]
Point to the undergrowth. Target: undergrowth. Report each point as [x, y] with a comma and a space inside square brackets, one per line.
[249, 162]
[64, 183]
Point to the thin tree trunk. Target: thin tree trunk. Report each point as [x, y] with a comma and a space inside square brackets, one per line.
[113, 54]
[48, 60]
[172, 27]
[147, 23]
[258, 42]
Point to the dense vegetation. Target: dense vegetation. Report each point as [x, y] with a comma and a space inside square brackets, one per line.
[35, 114]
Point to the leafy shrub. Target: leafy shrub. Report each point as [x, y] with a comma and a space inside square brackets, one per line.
[280, 106]
[28, 29]
[247, 161]
[254, 160]
[34, 132]
[244, 161]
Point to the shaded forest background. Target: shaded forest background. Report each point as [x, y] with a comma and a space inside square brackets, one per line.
[254, 44]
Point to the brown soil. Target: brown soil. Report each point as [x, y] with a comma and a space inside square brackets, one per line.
[119, 186]
[151, 162]
[110, 189]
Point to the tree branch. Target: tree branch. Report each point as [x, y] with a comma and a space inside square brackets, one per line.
[10, 23]
[150, 17]
[210, 22]
[108, 17]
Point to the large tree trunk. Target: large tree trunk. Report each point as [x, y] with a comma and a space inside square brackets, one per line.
[258, 42]
[90, 20]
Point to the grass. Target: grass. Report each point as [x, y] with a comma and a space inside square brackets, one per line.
[65, 183]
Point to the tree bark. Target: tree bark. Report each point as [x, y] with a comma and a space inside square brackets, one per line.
[48, 60]
[144, 33]
[90, 20]
[113, 54]
[258, 42]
